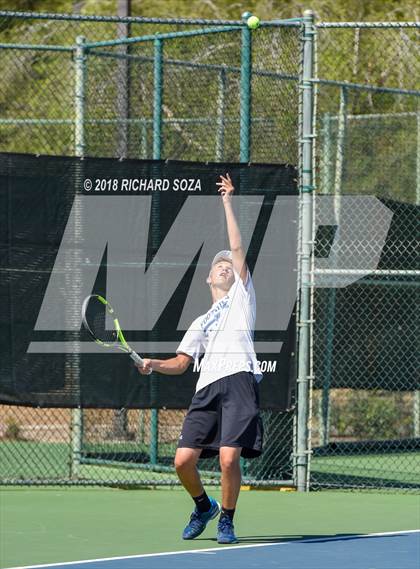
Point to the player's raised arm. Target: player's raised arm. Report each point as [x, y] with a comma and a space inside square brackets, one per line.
[226, 190]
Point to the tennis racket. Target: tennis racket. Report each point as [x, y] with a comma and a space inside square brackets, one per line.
[96, 312]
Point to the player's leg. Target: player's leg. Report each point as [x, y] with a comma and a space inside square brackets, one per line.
[231, 485]
[206, 508]
[186, 467]
[231, 476]
[199, 428]
[241, 435]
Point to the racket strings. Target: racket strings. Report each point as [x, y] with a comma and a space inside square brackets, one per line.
[99, 322]
[100, 330]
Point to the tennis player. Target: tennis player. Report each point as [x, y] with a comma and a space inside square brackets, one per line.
[223, 417]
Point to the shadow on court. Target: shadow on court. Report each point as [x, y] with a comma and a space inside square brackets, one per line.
[290, 538]
[280, 538]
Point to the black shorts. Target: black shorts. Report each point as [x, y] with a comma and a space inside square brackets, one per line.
[225, 413]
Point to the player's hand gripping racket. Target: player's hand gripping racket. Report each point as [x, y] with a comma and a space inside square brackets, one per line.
[96, 313]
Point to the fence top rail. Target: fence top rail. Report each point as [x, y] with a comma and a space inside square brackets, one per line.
[195, 21]
[368, 25]
[329, 116]
[364, 87]
[141, 20]
[371, 272]
[168, 35]
[36, 47]
[113, 19]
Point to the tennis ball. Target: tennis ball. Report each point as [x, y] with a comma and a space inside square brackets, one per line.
[253, 22]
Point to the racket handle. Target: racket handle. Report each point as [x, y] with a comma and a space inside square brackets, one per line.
[136, 358]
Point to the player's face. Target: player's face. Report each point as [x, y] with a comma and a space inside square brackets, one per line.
[222, 276]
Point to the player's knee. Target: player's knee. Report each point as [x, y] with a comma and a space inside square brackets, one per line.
[229, 462]
[179, 463]
[183, 462]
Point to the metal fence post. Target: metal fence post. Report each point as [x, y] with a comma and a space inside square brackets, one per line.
[341, 135]
[339, 161]
[245, 122]
[79, 121]
[143, 140]
[305, 250]
[157, 99]
[123, 85]
[416, 399]
[245, 96]
[221, 104]
[157, 151]
[120, 418]
[326, 188]
[73, 360]
[338, 179]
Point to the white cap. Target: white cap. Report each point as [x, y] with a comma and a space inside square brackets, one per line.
[224, 255]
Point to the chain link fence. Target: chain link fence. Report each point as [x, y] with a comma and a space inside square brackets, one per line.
[364, 419]
[36, 448]
[365, 407]
[176, 93]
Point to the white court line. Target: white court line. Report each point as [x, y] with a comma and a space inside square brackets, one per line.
[216, 549]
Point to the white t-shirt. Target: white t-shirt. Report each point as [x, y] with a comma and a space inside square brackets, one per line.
[224, 334]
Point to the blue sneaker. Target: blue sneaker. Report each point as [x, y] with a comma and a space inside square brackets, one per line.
[225, 531]
[198, 522]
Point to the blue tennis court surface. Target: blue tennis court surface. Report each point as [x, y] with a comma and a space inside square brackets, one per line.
[393, 550]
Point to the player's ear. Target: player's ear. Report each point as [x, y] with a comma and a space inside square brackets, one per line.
[208, 280]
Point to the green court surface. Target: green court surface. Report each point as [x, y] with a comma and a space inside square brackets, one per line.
[398, 467]
[47, 525]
